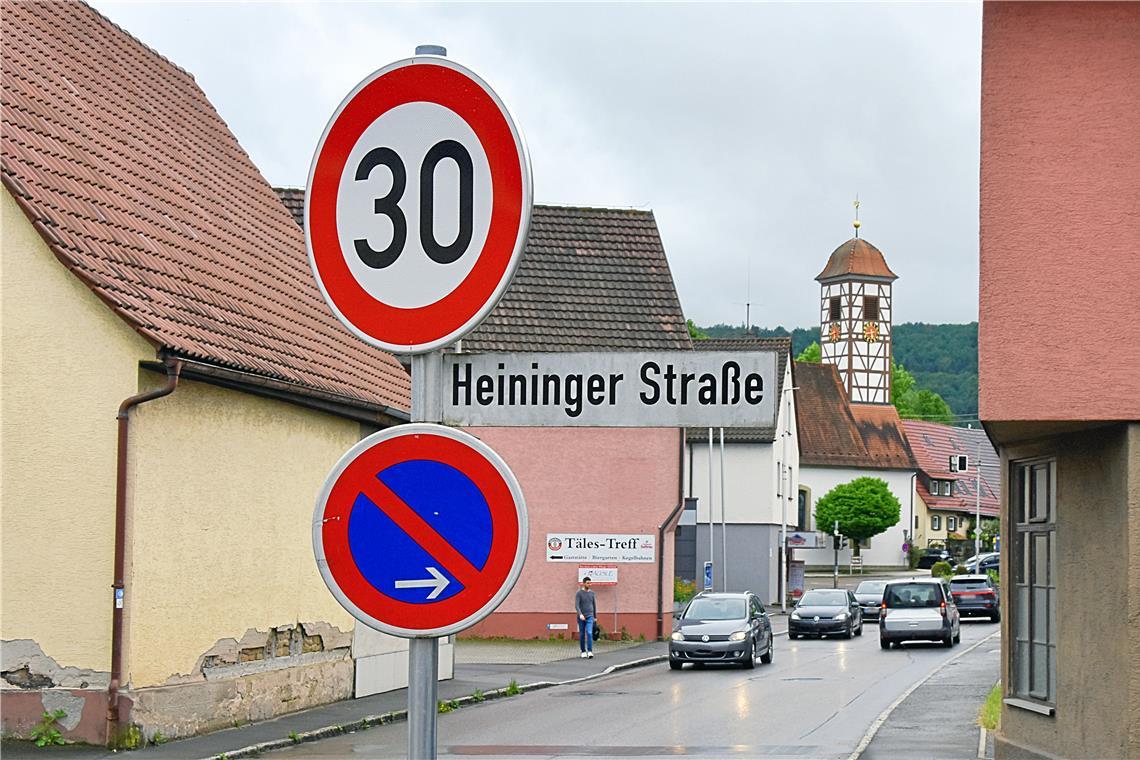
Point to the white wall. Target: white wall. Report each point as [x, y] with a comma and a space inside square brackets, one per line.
[886, 548]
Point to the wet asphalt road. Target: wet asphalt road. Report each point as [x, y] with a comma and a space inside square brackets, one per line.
[816, 700]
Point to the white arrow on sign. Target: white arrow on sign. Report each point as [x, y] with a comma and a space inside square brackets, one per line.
[438, 581]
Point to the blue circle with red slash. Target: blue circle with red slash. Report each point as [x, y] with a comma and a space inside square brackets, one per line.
[420, 530]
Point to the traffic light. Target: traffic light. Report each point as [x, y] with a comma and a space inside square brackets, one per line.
[839, 542]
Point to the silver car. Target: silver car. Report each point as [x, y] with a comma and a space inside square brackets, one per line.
[919, 609]
[722, 628]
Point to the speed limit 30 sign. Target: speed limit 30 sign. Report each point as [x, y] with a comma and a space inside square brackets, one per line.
[418, 205]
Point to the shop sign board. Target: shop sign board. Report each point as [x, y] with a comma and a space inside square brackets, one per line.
[600, 547]
[599, 575]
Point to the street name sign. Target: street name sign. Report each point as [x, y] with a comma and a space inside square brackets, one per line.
[418, 204]
[611, 389]
[420, 531]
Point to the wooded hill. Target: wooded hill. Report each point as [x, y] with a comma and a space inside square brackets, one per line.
[942, 358]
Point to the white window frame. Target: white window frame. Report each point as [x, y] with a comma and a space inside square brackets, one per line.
[936, 522]
[952, 523]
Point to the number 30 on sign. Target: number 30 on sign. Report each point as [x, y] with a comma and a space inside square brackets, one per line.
[418, 205]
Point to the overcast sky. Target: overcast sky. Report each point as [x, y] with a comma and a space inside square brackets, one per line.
[747, 129]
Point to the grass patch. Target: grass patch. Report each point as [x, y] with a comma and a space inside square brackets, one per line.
[990, 714]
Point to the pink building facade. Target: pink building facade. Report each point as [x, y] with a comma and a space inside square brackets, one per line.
[1059, 368]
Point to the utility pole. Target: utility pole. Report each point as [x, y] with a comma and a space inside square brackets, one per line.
[835, 545]
[978, 505]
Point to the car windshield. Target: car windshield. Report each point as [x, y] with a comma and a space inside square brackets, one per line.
[972, 584]
[871, 587]
[715, 609]
[912, 595]
[824, 598]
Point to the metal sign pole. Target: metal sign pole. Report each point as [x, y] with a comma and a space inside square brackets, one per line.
[711, 516]
[423, 654]
[423, 689]
[723, 522]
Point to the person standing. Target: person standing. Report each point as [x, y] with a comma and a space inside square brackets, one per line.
[587, 609]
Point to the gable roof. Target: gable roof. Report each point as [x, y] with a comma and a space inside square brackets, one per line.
[856, 257]
[933, 444]
[783, 349]
[138, 188]
[590, 279]
[833, 432]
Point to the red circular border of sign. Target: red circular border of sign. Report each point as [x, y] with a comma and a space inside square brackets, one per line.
[412, 329]
[392, 612]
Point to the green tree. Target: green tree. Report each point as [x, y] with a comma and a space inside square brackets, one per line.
[695, 332]
[914, 403]
[864, 507]
[811, 354]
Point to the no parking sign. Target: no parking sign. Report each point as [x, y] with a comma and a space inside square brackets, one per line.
[420, 531]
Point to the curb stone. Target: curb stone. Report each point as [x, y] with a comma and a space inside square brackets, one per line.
[397, 716]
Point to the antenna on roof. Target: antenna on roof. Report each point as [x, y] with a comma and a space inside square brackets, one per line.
[856, 223]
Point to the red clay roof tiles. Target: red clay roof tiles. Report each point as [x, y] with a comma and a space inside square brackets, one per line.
[139, 188]
[933, 444]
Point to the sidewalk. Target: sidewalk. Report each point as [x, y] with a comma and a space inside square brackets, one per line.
[487, 666]
[939, 719]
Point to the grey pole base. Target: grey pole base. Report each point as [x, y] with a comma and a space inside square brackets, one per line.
[423, 689]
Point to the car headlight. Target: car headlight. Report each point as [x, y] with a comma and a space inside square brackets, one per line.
[840, 616]
[678, 636]
[738, 636]
[795, 615]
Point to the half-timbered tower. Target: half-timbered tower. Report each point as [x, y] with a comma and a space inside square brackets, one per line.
[855, 320]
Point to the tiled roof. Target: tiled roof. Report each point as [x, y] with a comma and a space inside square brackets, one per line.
[933, 444]
[591, 279]
[139, 188]
[856, 257]
[836, 433]
[783, 349]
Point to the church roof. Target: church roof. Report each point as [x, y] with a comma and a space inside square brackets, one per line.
[856, 257]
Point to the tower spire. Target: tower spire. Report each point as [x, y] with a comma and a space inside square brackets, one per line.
[856, 223]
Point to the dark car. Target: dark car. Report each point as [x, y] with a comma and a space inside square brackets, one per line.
[919, 609]
[722, 628]
[976, 595]
[869, 594]
[930, 556]
[983, 563]
[826, 611]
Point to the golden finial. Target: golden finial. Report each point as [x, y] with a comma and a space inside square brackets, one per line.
[856, 222]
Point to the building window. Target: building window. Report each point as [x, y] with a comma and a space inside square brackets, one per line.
[834, 309]
[936, 522]
[871, 308]
[1033, 491]
[916, 522]
[803, 522]
[945, 487]
[951, 524]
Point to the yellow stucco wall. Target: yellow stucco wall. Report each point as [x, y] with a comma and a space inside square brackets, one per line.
[223, 486]
[66, 362]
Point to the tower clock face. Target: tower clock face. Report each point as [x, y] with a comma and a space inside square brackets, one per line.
[871, 332]
[833, 332]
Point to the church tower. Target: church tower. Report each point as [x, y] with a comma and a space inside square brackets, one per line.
[855, 319]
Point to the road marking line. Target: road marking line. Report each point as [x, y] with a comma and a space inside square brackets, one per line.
[879, 721]
[981, 743]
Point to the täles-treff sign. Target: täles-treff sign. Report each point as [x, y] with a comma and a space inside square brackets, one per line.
[611, 389]
[600, 547]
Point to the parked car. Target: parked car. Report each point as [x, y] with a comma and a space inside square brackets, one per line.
[976, 595]
[988, 561]
[869, 594]
[826, 611]
[724, 627]
[919, 609]
[929, 556]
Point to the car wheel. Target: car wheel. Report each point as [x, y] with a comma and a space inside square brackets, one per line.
[884, 643]
[958, 637]
[995, 618]
[859, 631]
[766, 658]
[674, 664]
[849, 632]
[793, 636]
[750, 658]
[948, 641]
